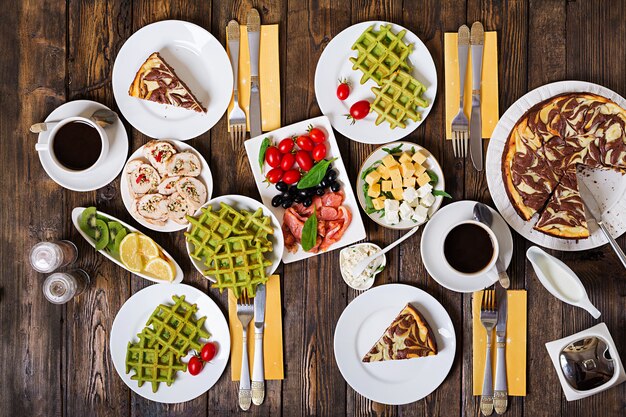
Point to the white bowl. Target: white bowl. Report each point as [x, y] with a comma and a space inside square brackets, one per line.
[368, 284]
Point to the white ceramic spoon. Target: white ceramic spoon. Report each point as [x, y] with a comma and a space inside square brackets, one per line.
[560, 280]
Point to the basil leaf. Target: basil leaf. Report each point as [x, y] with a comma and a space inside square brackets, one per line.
[264, 145]
[397, 149]
[315, 175]
[388, 194]
[370, 169]
[309, 233]
[441, 193]
[434, 179]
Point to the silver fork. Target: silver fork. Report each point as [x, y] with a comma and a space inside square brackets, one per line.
[488, 318]
[245, 312]
[236, 118]
[460, 123]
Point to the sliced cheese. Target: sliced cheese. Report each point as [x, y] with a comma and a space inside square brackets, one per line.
[418, 169]
[397, 193]
[387, 185]
[409, 182]
[423, 179]
[389, 161]
[407, 169]
[374, 190]
[419, 157]
[378, 203]
[396, 176]
[405, 157]
[383, 171]
[372, 177]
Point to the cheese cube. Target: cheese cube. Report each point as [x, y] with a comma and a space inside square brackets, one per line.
[406, 211]
[383, 171]
[409, 182]
[420, 157]
[372, 177]
[420, 214]
[387, 185]
[423, 179]
[392, 208]
[374, 190]
[389, 161]
[419, 169]
[407, 169]
[396, 177]
[410, 196]
[378, 203]
[423, 190]
[405, 157]
[397, 193]
[428, 200]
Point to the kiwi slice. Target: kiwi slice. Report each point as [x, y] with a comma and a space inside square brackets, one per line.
[101, 234]
[115, 228]
[87, 221]
[118, 240]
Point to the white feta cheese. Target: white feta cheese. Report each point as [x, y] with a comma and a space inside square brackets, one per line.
[410, 196]
[392, 208]
[406, 211]
[424, 190]
[420, 214]
[427, 200]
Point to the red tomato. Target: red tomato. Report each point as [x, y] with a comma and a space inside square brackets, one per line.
[317, 135]
[195, 365]
[319, 152]
[291, 177]
[285, 145]
[359, 110]
[274, 175]
[208, 352]
[272, 156]
[303, 158]
[343, 90]
[287, 161]
[305, 143]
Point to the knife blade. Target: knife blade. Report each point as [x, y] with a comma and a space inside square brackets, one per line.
[477, 39]
[258, 371]
[254, 38]
[500, 392]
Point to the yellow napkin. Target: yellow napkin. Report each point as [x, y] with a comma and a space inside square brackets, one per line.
[489, 87]
[515, 349]
[272, 338]
[269, 76]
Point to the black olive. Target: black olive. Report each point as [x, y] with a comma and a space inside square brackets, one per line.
[310, 191]
[287, 203]
[334, 186]
[277, 200]
[331, 175]
[308, 202]
[293, 190]
[285, 195]
[323, 184]
[298, 198]
[320, 191]
[281, 186]
[303, 193]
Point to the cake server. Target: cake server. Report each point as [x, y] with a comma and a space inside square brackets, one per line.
[258, 371]
[254, 39]
[593, 209]
[477, 39]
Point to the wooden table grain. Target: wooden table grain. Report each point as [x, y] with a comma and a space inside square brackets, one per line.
[55, 360]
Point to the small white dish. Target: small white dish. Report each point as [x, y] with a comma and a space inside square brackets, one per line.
[170, 226]
[198, 59]
[379, 264]
[97, 176]
[432, 243]
[334, 64]
[392, 382]
[78, 211]
[132, 318]
[240, 202]
[560, 280]
[430, 164]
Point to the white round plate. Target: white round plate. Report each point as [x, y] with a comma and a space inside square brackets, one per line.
[240, 202]
[608, 187]
[170, 226]
[431, 247]
[334, 64]
[430, 164]
[392, 382]
[97, 177]
[198, 59]
[131, 319]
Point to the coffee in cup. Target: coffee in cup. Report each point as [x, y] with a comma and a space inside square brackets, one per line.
[470, 248]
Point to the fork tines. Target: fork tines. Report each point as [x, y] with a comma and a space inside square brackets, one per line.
[488, 301]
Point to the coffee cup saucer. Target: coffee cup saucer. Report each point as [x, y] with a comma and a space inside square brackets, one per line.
[431, 247]
[100, 175]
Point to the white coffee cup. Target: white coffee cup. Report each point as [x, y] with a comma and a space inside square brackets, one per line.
[494, 245]
[48, 146]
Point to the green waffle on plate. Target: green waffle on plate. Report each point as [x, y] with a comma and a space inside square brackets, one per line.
[397, 100]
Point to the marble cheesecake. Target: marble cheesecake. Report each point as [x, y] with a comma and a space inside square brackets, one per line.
[546, 146]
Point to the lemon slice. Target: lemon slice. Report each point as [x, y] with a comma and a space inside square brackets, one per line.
[130, 255]
[161, 269]
[148, 247]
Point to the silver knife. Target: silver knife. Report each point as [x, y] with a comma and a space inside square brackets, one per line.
[477, 39]
[254, 39]
[593, 209]
[258, 372]
[500, 392]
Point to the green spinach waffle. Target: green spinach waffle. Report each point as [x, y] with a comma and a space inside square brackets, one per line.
[397, 99]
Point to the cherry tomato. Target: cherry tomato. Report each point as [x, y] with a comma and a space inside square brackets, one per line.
[291, 177]
[287, 162]
[305, 143]
[343, 90]
[317, 135]
[272, 156]
[274, 175]
[195, 365]
[303, 158]
[359, 110]
[319, 152]
[208, 352]
[285, 145]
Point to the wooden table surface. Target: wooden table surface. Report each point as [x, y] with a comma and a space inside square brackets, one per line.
[55, 360]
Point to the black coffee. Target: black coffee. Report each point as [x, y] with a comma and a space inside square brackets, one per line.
[468, 248]
[77, 145]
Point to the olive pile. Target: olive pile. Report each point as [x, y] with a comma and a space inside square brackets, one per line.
[291, 194]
